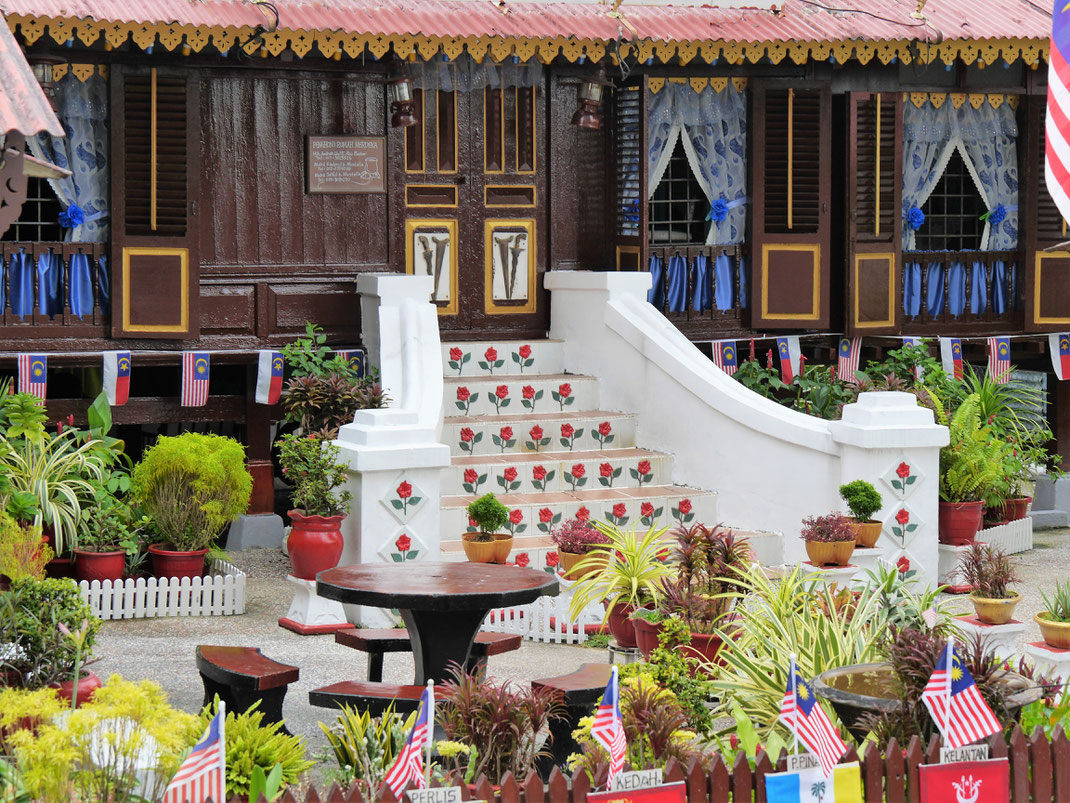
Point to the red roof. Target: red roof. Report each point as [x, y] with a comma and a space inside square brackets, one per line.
[23, 106]
[584, 19]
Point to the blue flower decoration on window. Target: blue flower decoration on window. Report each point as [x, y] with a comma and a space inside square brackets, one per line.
[718, 211]
[71, 217]
[996, 216]
[915, 218]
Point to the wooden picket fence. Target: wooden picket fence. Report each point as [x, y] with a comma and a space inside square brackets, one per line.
[220, 593]
[1040, 773]
[545, 620]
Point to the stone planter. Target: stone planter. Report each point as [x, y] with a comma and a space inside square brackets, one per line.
[314, 544]
[1056, 634]
[995, 611]
[175, 563]
[90, 566]
[959, 522]
[829, 553]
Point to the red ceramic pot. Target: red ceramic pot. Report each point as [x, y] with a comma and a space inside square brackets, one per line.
[959, 522]
[315, 543]
[87, 685]
[1016, 509]
[90, 566]
[60, 568]
[172, 563]
[704, 646]
[646, 636]
[621, 627]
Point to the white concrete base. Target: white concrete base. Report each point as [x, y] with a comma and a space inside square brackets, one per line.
[999, 639]
[311, 614]
[624, 655]
[948, 573]
[840, 575]
[1049, 661]
[866, 559]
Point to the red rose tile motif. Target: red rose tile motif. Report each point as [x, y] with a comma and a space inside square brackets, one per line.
[500, 398]
[490, 360]
[682, 512]
[538, 439]
[903, 477]
[607, 473]
[522, 357]
[618, 514]
[548, 520]
[642, 473]
[552, 560]
[530, 397]
[903, 564]
[515, 524]
[504, 439]
[583, 514]
[604, 433]
[458, 358]
[648, 514]
[540, 477]
[523, 559]
[465, 399]
[576, 476]
[508, 479]
[402, 548]
[902, 525]
[469, 439]
[405, 499]
[563, 395]
[472, 480]
[569, 435]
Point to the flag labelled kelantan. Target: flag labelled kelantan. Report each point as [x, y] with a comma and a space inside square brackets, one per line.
[850, 350]
[724, 356]
[1057, 128]
[1059, 346]
[269, 376]
[117, 377]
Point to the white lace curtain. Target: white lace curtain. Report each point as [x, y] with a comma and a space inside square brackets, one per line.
[985, 138]
[83, 111]
[713, 128]
[465, 74]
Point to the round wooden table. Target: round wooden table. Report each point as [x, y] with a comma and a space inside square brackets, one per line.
[442, 604]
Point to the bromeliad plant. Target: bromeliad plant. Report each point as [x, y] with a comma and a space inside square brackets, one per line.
[705, 560]
[629, 571]
[311, 464]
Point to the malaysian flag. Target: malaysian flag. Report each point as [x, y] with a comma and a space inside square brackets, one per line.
[915, 341]
[194, 378]
[724, 356]
[204, 772]
[608, 728]
[850, 350]
[1059, 346]
[354, 359]
[269, 377]
[956, 704]
[117, 377]
[951, 356]
[33, 374]
[790, 356]
[408, 767]
[1057, 128]
[807, 720]
[999, 359]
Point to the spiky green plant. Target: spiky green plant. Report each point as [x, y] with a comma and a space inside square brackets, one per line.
[1058, 605]
[629, 570]
[365, 747]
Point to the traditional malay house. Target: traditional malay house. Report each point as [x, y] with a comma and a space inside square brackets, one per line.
[805, 167]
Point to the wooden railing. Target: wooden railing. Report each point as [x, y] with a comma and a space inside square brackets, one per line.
[939, 275]
[708, 319]
[1039, 770]
[64, 323]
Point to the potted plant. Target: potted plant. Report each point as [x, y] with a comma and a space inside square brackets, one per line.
[574, 540]
[112, 533]
[625, 574]
[830, 539]
[863, 500]
[191, 486]
[315, 541]
[990, 571]
[1054, 620]
[487, 545]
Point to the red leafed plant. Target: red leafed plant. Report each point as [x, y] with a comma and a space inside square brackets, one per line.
[830, 528]
[577, 537]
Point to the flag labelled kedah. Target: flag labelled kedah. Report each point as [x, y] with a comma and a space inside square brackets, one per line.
[117, 377]
[269, 377]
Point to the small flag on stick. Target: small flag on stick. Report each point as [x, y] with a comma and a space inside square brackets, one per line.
[408, 767]
[608, 728]
[806, 719]
[204, 772]
[956, 704]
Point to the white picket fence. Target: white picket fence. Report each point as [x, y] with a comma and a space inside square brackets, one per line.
[1013, 537]
[546, 620]
[221, 593]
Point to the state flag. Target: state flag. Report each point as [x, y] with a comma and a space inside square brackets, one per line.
[117, 377]
[951, 356]
[790, 357]
[269, 376]
[812, 785]
[965, 782]
[1059, 346]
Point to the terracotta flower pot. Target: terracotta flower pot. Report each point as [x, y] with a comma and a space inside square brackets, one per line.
[621, 627]
[704, 646]
[87, 685]
[1017, 508]
[1056, 634]
[315, 543]
[867, 533]
[829, 553]
[995, 611]
[646, 635]
[959, 522]
[478, 551]
[174, 563]
[90, 566]
[503, 545]
[569, 560]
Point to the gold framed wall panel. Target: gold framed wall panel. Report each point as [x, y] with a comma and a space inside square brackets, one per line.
[491, 306]
[629, 250]
[889, 257]
[431, 227]
[1038, 268]
[534, 131]
[488, 189]
[423, 136]
[184, 284]
[411, 191]
[815, 309]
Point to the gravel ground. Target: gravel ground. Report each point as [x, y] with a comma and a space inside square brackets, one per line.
[163, 649]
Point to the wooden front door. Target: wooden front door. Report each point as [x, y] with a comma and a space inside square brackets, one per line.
[473, 202]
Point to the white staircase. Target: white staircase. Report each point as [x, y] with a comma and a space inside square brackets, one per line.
[550, 448]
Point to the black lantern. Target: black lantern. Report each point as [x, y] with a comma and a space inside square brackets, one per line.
[402, 104]
[592, 95]
[42, 67]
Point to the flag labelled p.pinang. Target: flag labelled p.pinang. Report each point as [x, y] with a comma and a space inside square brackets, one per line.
[1057, 129]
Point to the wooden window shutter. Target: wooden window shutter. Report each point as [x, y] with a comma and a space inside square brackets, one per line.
[790, 164]
[629, 174]
[155, 271]
[874, 153]
[1046, 273]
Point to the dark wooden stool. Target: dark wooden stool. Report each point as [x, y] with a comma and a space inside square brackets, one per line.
[243, 675]
[378, 642]
[580, 690]
[367, 696]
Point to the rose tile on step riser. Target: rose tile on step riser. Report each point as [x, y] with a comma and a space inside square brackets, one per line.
[490, 437]
[601, 470]
[488, 359]
[516, 395]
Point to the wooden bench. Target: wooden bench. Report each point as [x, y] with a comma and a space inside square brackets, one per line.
[367, 696]
[580, 690]
[243, 675]
[381, 641]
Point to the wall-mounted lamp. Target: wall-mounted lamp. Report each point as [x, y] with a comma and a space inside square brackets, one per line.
[591, 97]
[42, 67]
[402, 104]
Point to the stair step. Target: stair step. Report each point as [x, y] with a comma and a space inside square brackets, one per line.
[623, 506]
[516, 473]
[476, 395]
[478, 432]
[470, 358]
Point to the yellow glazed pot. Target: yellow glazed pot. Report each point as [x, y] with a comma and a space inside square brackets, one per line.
[995, 611]
[1056, 634]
